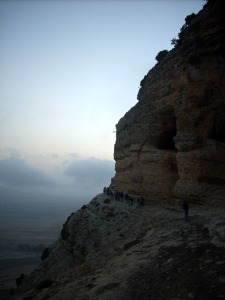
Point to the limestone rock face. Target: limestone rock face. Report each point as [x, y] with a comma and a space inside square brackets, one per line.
[171, 145]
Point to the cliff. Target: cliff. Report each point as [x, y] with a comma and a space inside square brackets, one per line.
[171, 145]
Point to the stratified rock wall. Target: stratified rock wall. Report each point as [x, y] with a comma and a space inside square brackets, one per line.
[171, 145]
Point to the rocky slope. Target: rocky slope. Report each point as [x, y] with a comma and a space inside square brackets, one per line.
[171, 145]
[114, 251]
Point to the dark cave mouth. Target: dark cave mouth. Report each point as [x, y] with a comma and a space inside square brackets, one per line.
[165, 140]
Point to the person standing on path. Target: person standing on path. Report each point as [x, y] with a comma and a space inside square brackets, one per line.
[186, 209]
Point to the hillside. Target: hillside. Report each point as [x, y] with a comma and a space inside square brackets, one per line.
[170, 147]
[115, 251]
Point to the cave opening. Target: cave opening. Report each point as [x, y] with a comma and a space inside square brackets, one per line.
[218, 132]
[165, 140]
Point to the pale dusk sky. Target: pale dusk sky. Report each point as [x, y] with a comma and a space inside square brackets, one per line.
[69, 70]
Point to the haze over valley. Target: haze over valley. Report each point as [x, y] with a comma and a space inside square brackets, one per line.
[28, 224]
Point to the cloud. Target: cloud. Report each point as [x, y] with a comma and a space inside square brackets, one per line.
[90, 172]
[54, 155]
[14, 171]
[50, 174]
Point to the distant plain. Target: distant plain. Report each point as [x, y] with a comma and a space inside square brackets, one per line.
[28, 224]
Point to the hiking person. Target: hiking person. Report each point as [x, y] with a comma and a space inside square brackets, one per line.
[126, 197]
[121, 196]
[130, 200]
[138, 202]
[185, 208]
[142, 201]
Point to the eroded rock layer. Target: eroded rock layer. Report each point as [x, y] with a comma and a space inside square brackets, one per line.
[171, 145]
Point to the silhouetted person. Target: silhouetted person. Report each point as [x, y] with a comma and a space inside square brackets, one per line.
[126, 197]
[20, 279]
[185, 208]
[130, 200]
[140, 201]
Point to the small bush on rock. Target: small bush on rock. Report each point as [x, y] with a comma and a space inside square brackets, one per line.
[44, 284]
[107, 200]
[20, 279]
[161, 55]
[45, 253]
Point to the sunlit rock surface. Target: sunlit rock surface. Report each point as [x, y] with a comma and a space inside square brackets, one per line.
[171, 145]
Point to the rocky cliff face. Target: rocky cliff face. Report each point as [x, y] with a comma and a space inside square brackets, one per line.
[171, 145]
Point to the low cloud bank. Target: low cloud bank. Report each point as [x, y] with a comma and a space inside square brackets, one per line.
[17, 173]
[90, 172]
[75, 177]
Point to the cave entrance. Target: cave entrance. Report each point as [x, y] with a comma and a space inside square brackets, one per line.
[168, 169]
[165, 140]
[218, 132]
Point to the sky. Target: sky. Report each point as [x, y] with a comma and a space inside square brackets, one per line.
[69, 70]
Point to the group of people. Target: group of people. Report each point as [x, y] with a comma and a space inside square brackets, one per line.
[121, 196]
